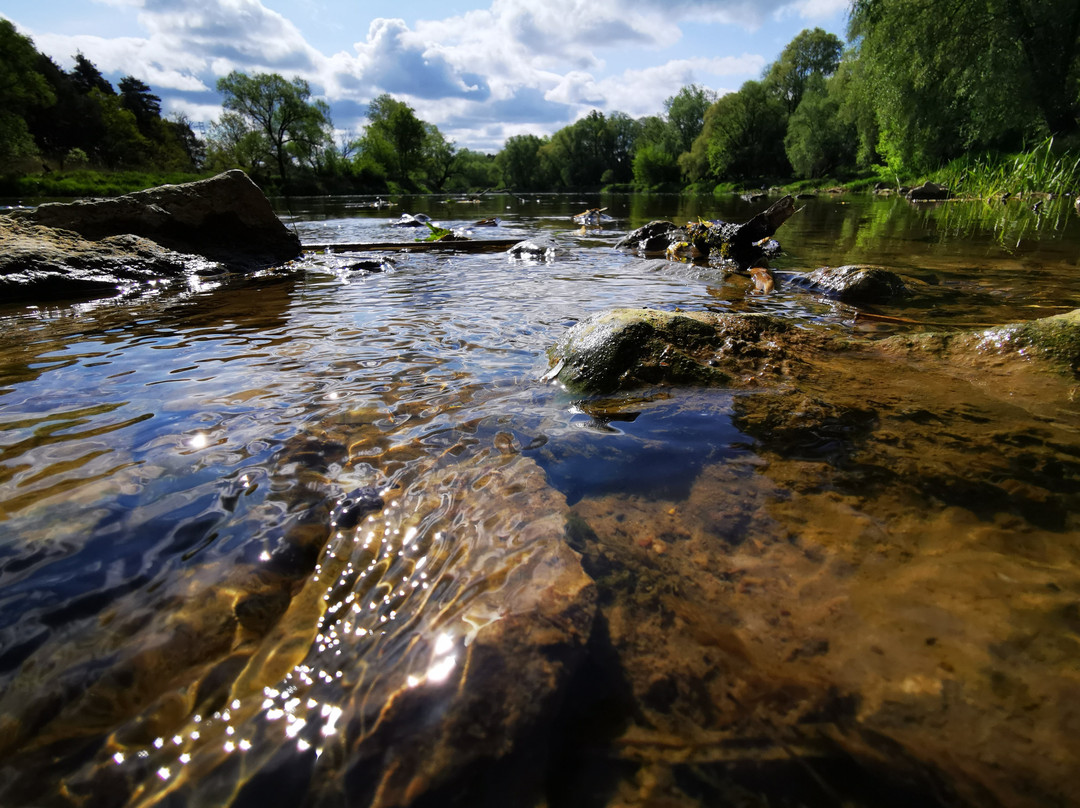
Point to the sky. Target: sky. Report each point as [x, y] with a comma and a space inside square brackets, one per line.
[482, 71]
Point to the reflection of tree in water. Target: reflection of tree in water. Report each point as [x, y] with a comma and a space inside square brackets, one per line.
[1011, 222]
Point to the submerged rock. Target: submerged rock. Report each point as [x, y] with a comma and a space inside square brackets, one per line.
[627, 348]
[1054, 340]
[541, 249]
[90, 247]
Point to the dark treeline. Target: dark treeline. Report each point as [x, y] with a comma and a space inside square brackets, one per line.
[919, 84]
[56, 120]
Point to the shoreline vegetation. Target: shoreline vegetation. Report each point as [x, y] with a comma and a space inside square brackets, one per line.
[1040, 172]
[898, 104]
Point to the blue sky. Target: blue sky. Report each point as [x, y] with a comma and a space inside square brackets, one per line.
[481, 71]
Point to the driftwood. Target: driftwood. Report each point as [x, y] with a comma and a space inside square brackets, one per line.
[745, 245]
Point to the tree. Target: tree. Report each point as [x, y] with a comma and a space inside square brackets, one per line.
[952, 75]
[622, 135]
[279, 111]
[519, 162]
[746, 134]
[812, 53]
[22, 90]
[818, 140]
[87, 77]
[686, 115]
[135, 96]
[122, 144]
[654, 167]
[473, 171]
[582, 152]
[439, 157]
[234, 144]
[394, 137]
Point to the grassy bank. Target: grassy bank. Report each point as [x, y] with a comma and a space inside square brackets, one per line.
[88, 183]
[1045, 169]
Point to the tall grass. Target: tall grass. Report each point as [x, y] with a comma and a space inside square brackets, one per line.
[989, 175]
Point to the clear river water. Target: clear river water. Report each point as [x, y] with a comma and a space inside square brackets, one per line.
[881, 607]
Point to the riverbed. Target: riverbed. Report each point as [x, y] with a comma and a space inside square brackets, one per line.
[855, 585]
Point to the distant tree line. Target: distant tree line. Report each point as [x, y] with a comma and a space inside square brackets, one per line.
[56, 119]
[919, 83]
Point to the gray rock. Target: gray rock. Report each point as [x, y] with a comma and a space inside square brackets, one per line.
[39, 263]
[654, 237]
[534, 249]
[857, 284]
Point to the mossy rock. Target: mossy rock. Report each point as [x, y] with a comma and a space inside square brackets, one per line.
[1055, 340]
[625, 349]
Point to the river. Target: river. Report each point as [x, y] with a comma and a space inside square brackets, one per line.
[682, 595]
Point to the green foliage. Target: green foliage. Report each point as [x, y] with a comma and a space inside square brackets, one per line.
[949, 76]
[436, 233]
[811, 55]
[818, 141]
[395, 138]
[686, 116]
[654, 169]
[520, 165]
[89, 182]
[272, 119]
[473, 171]
[22, 89]
[746, 134]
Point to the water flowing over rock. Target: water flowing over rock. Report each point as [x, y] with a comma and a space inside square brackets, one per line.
[90, 247]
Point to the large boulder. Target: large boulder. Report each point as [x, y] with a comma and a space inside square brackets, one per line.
[39, 263]
[225, 218]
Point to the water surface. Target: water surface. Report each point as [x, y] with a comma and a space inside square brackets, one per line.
[178, 616]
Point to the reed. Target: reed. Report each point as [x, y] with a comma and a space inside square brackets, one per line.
[1042, 169]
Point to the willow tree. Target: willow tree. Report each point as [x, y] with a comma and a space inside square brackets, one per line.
[951, 75]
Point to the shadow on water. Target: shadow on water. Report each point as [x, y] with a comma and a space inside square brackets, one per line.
[652, 447]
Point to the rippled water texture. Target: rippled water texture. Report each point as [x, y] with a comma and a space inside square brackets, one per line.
[188, 616]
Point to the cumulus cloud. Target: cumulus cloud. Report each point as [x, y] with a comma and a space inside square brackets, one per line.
[511, 67]
[394, 59]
